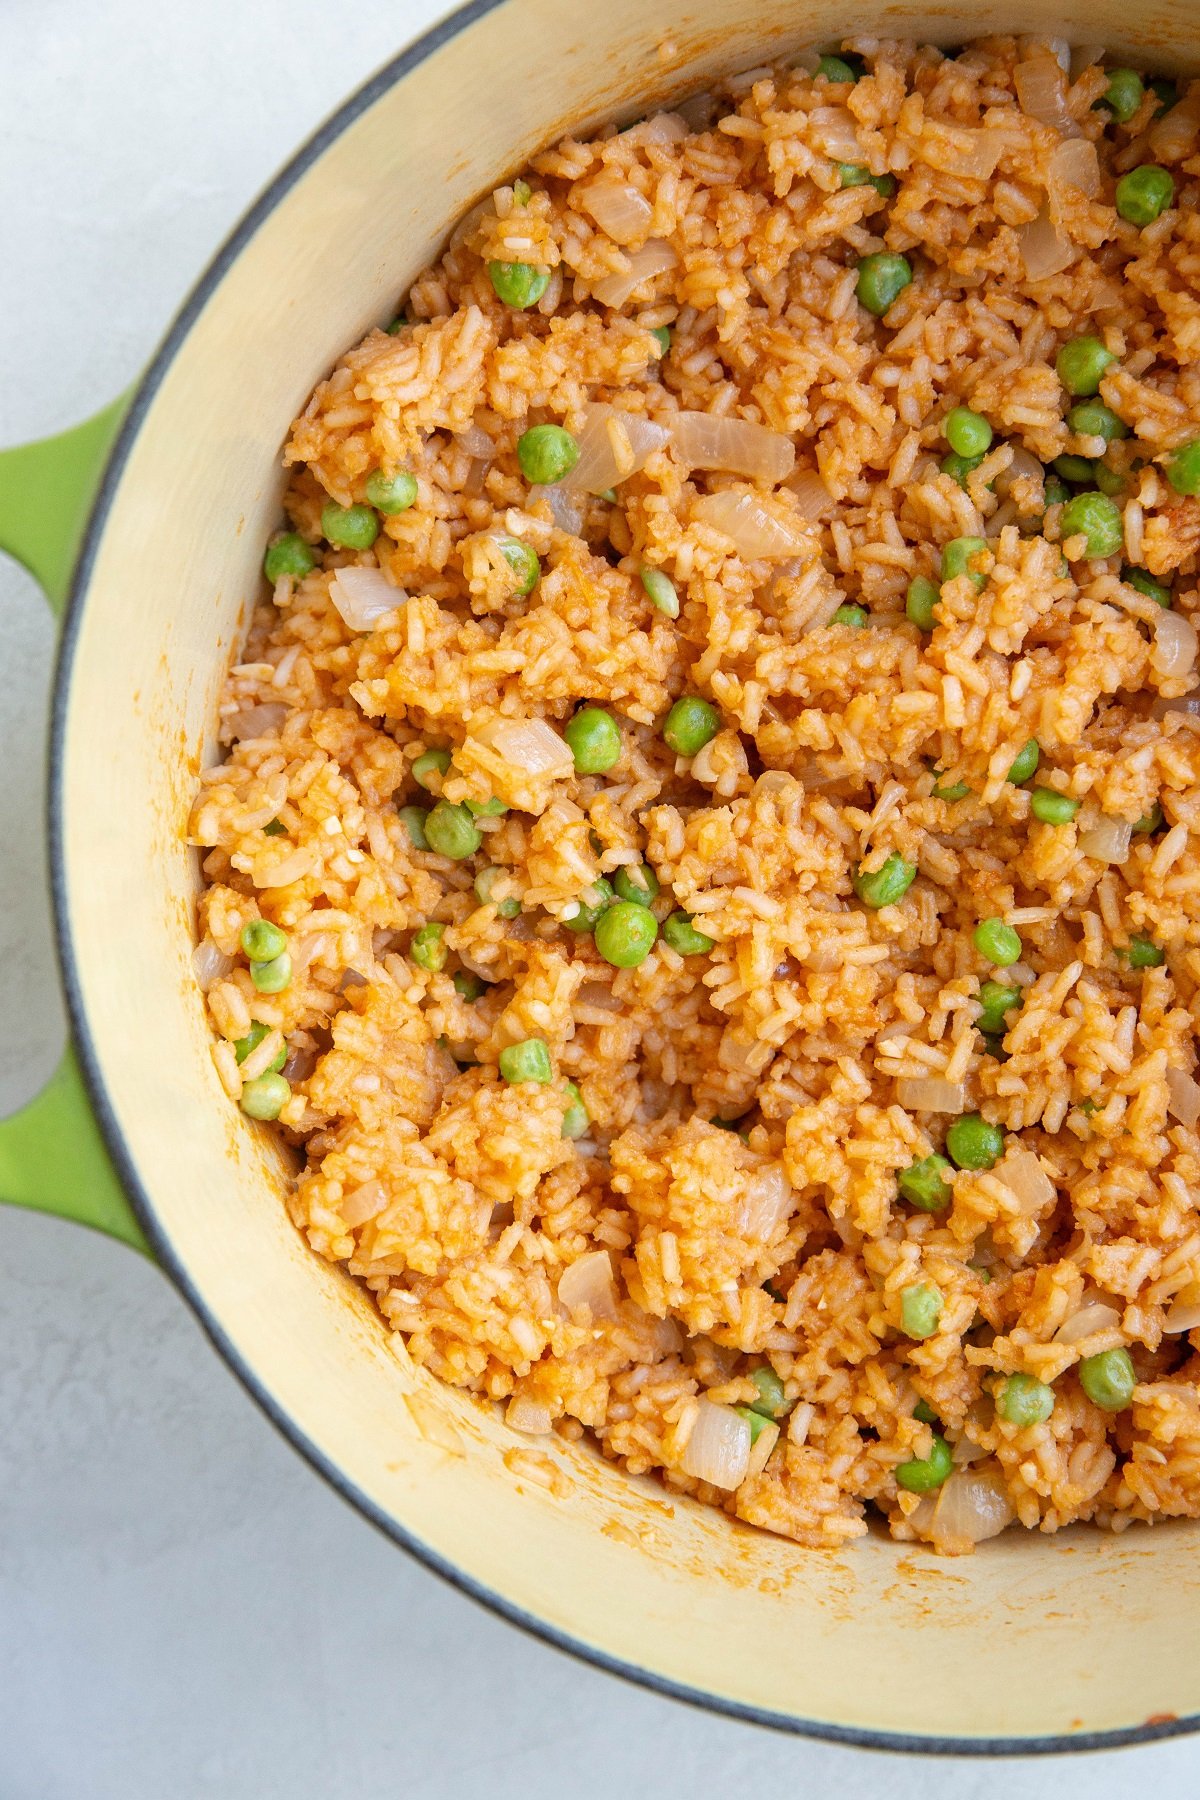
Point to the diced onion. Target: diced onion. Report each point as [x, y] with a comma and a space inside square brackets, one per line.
[588, 1287]
[766, 1204]
[718, 1450]
[738, 446]
[1083, 56]
[1045, 250]
[299, 1065]
[931, 1093]
[965, 1452]
[976, 153]
[655, 257]
[750, 526]
[1183, 1314]
[209, 964]
[254, 722]
[1025, 1178]
[612, 446]
[364, 596]
[1040, 92]
[1175, 645]
[1183, 1097]
[530, 745]
[813, 499]
[1095, 1316]
[1108, 841]
[475, 441]
[365, 1202]
[971, 1507]
[1074, 165]
[1172, 137]
[529, 1416]
[1024, 465]
[619, 209]
[566, 506]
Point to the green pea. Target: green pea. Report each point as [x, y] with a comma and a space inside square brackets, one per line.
[1144, 582]
[1051, 807]
[1123, 95]
[397, 325]
[1144, 193]
[959, 467]
[679, 932]
[590, 910]
[968, 432]
[755, 1420]
[429, 767]
[415, 818]
[1166, 92]
[853, 616]
[886, 885]
[576, 1119]
[523, 562]
[518, 284]
[957, 556]
[522, 192]
[949, 791]
[427, 949]
[974, 1143]
[1150, 821]
[920, 1310]
[923, 595]
[997, 1001]
[451, 831]
[1091, 418]
[468, 986]
[260, 940]
[1096, 518]
[662, 333]
[253, 1038]
[882, 276]
[485, 883]
[526, 1061]
[491, 808]
[391, 493]
[1025, 762]
[274, 976]
[350, 527]
[838, 69]
[266, 1096]
[546, 453]
[660, 590]
[1108, 481]
[1075, 469]
[1183, 468]
[609, 494]
[993, 1045]
[854, 175]
[923, 1411]
[289, 555]
[924, 1185]
[1056, 492]
[691, 723]
[275, 828]
[594, 740]
[1144, 953]
[1108, 1379]
[625, 933]
[639, 885]
[1081, 364]
[1024, 1401]
[922, 1475]
[772, 1401]
[998, 942]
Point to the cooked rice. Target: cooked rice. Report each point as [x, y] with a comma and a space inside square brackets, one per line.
[455, 1197]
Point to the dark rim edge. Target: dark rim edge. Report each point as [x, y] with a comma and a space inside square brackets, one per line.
[855, 1737]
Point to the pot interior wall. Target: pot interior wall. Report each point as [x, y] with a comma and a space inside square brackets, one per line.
[1030, 1637]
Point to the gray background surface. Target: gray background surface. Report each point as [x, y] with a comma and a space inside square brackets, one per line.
[185, 1609]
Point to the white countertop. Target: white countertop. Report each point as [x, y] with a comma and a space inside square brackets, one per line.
[186, 1611]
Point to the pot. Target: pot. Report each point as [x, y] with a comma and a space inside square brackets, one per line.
[1034, 1643]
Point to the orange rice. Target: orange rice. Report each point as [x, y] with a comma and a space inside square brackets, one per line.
[629, 1281]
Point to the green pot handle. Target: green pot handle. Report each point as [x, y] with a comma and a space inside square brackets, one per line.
[52, 1156]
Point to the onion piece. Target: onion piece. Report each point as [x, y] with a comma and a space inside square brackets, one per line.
[751, 527]
[299, 1065]
[1093, 1316]
[587, 1286]
[1183, 1097]
[1183, 1314]
[566, 506]
[654, 258]
[612, 446]
[766, 1203]
[965, 1452]
[1172, 136]
[363, 596]
[254, 722]
[530, 1416]
[1075, 166]
[363, 1203]
[1083, 56]
[661, 128]
[621, 212]
[1175, 644]
[1023, 466]
[1041, 93]
[738, 446]
[718, 1450]
[1045, 250]
[931, 1093]
[971, 1507]
[813, 498]
[1108, 841]
[531, 745]
[1025, 1178]
[209, 964]
[475, 441]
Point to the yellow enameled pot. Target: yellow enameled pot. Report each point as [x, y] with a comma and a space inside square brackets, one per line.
[1034, 1642]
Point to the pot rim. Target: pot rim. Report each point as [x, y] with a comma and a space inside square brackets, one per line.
[144, 395]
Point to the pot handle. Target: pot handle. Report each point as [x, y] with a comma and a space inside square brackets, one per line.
[52, 1156]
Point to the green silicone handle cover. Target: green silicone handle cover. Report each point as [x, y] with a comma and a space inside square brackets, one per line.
[52, 1157]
